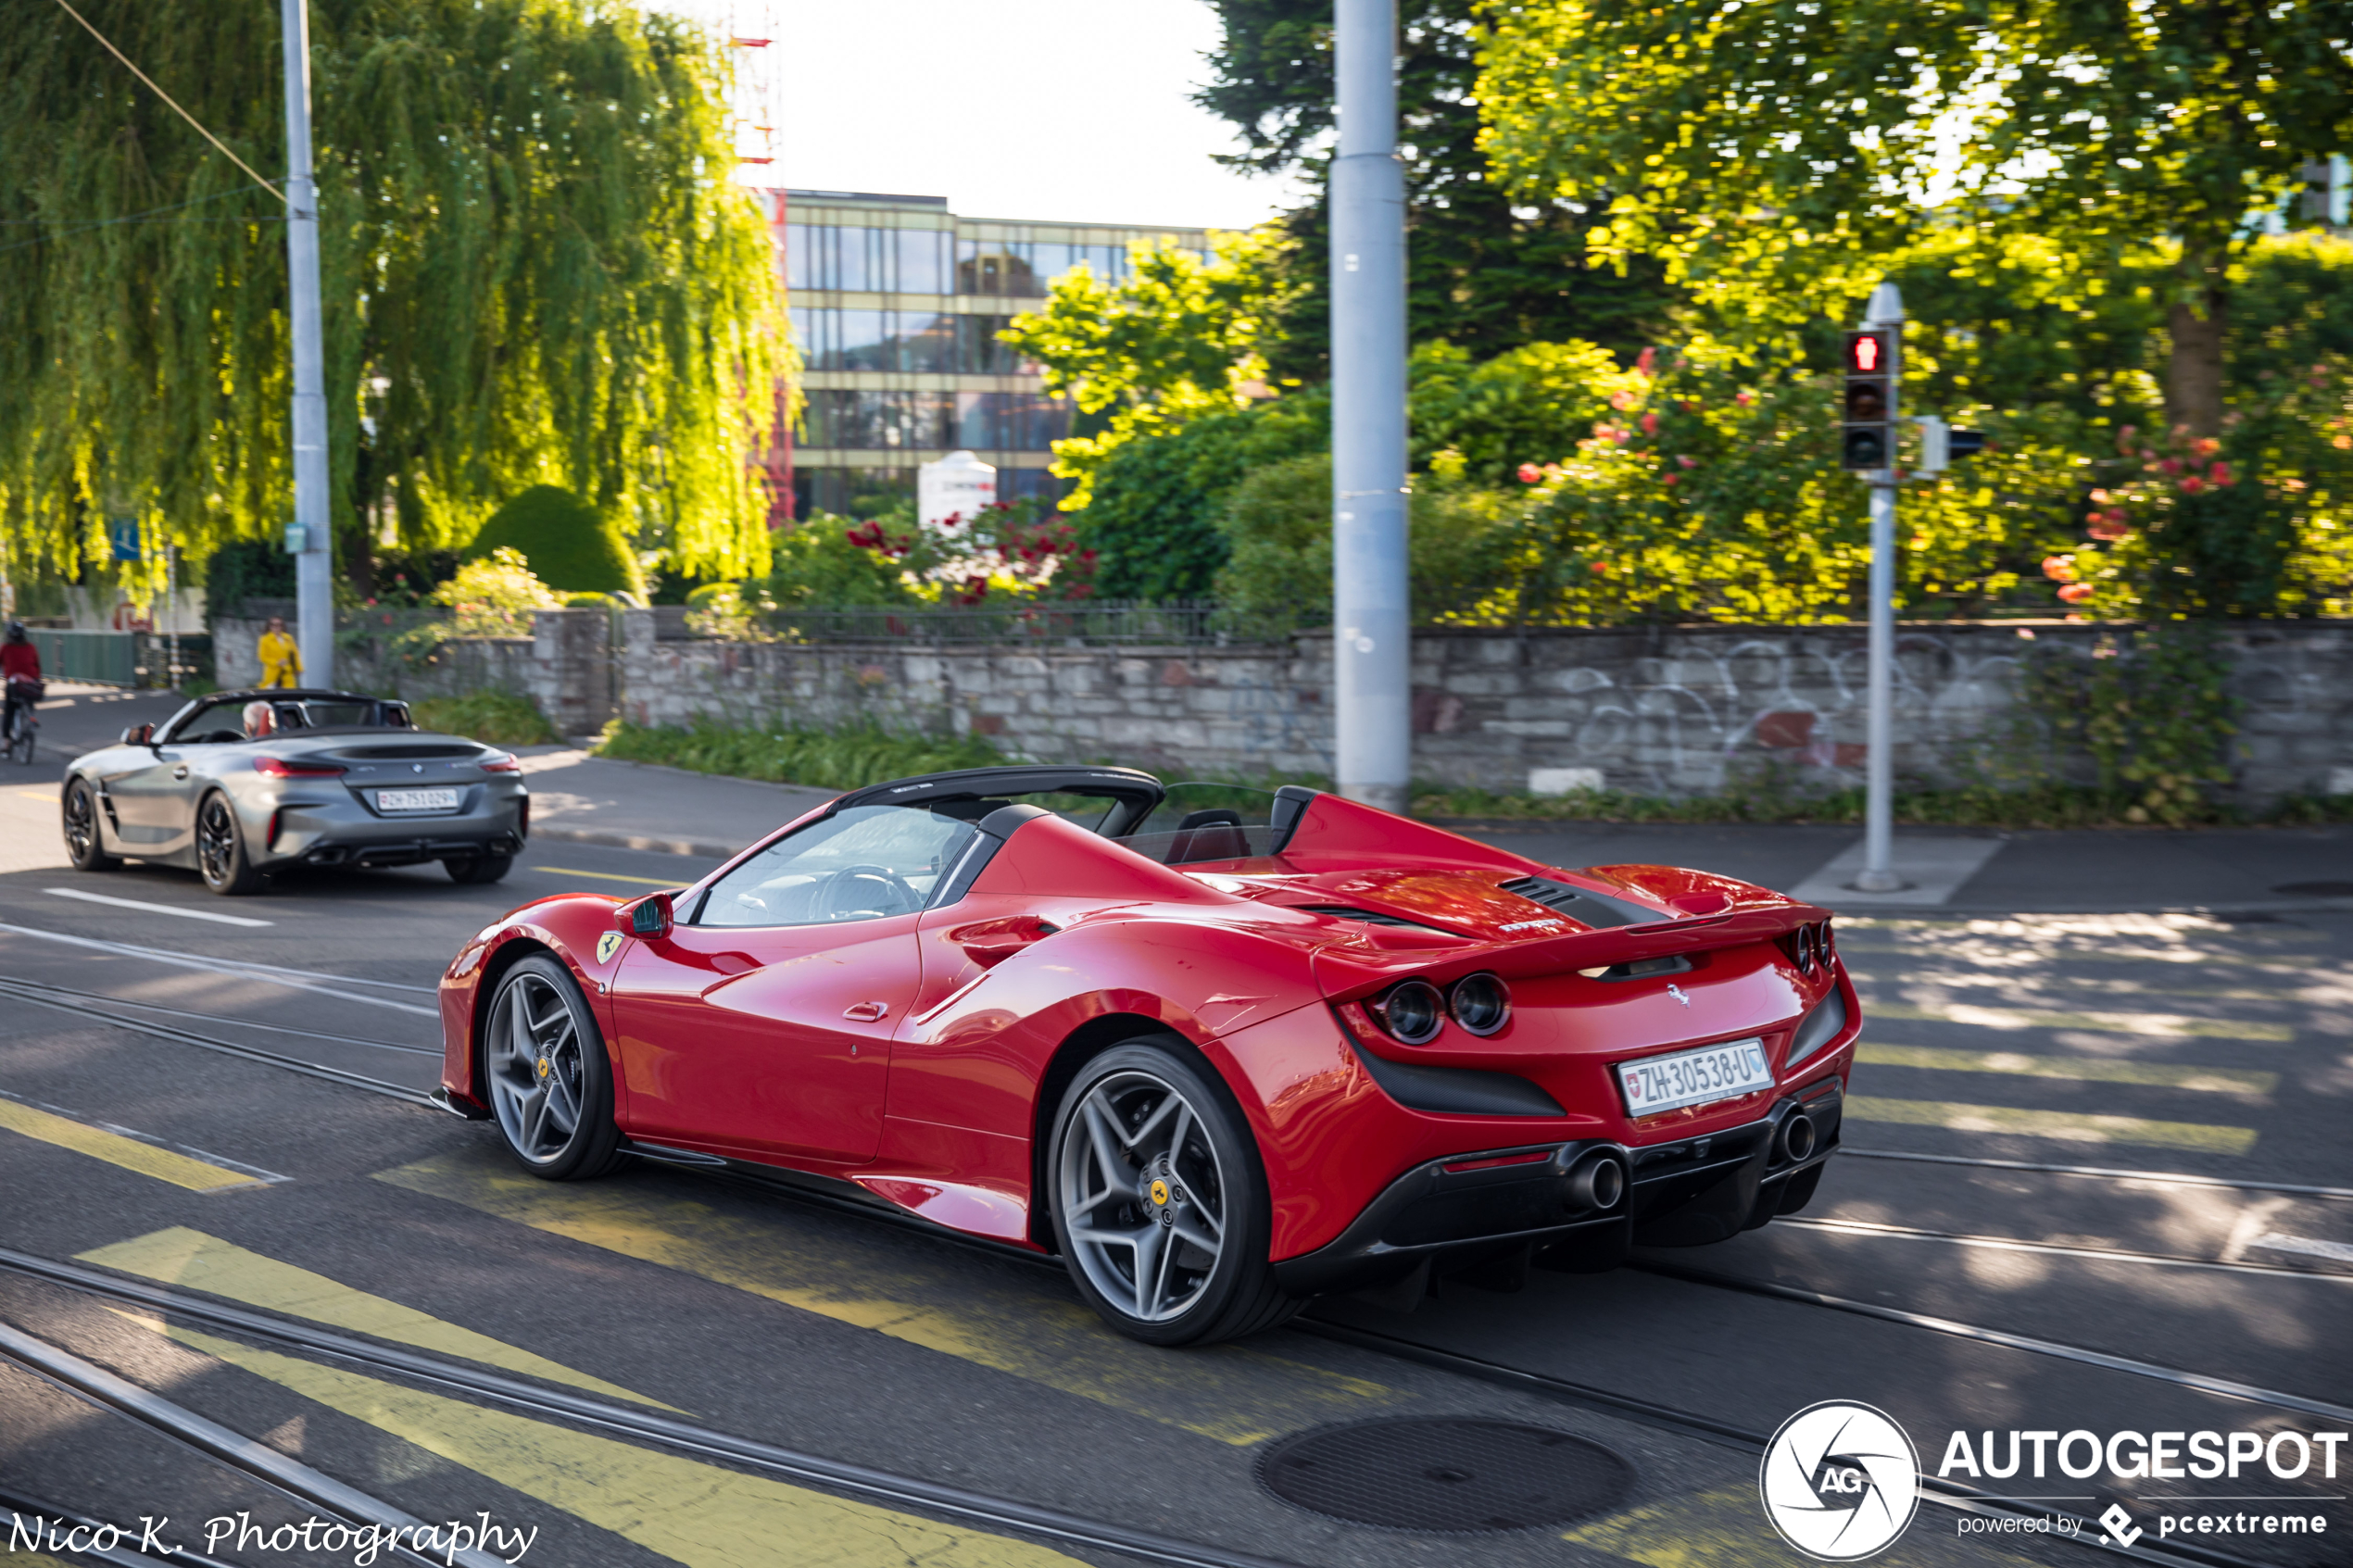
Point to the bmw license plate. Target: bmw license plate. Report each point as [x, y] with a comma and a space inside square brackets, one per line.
[1711, 1072]
[416, 800]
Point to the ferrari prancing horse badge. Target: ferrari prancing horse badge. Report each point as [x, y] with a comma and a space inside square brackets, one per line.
[607, 945]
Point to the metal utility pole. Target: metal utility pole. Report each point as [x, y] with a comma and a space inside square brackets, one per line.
[1885, 310]
[309, 536]
[1372, 647]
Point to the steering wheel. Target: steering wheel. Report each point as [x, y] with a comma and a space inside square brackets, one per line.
[856, 891]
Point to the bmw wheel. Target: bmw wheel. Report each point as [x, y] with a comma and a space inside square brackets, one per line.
[1160, 1202]
[550, 1084]
[85, 847]
[472, 869]
[221, 858]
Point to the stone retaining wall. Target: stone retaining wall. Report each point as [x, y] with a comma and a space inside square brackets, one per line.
[1663, 711]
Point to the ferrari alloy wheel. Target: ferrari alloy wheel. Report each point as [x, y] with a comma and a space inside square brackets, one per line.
[220, 848]
[84, 847]
[1160, 1203]
[550, 1085]
[474, 869]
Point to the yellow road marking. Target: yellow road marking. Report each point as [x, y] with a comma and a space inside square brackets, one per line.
[2066, 1125]
[2165, 1025]
[960, 1308]
[610, 876]
[2211, 1079]
[48, 794]
[1724, 1527]
[190, 1258]
[694, 1514]
[163, 1164]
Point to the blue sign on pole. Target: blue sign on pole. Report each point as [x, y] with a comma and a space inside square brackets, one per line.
[124, 532]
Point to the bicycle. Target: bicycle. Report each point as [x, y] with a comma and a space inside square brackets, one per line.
[23, 728]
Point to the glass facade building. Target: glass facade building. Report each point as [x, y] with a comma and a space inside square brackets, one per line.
[896, 305]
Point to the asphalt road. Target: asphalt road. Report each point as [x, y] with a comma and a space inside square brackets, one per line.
[2071, 1201]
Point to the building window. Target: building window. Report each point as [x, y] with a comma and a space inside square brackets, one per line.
[831, 256]
[838, 418]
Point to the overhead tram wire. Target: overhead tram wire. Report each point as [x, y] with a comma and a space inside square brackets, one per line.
[168, 98]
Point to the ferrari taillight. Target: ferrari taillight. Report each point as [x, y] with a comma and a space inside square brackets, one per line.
[278, 768]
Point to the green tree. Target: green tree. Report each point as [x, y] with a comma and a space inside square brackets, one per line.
[1483, 270]
[568, 544]
[1787, 151]
[536, 268]
[1180, 338]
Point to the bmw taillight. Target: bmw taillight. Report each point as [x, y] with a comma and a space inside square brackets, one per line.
[501, 763]
[278, 768]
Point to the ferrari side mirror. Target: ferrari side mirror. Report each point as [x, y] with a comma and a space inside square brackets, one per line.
[648, 917]
[139, 734]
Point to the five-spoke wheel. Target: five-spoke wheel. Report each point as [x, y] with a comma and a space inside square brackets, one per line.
[220, 848]
[84, 847]
[544, 1064]
[1159, 1202]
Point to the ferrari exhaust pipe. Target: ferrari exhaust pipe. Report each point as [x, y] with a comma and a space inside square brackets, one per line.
[1797, 1136]
[1596, 1182]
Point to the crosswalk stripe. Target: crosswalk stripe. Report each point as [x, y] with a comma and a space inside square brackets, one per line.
[2160, 1024]
[1232, 1393]
[2094, 1070]
[695, 1514]
[131, 1154]
[191, 1259]
[2066, 1125]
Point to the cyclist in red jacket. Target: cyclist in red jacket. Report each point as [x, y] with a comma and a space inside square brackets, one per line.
[19, 662]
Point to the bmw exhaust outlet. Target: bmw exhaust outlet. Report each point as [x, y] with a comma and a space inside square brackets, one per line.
[1596, 1182]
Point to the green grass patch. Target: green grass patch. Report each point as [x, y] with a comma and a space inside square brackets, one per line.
[492, 717]
[846, 758]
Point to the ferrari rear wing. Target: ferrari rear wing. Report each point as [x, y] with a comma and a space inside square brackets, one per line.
[1347, 972]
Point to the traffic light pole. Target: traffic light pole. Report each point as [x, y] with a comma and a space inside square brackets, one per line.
[314, 560]
[1878, 875]
[1371, 645]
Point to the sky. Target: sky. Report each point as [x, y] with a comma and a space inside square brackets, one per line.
[1074, 110]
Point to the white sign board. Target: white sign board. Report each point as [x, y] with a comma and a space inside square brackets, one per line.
[958, 485]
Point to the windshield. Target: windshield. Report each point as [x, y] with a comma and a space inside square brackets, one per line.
[861, 863]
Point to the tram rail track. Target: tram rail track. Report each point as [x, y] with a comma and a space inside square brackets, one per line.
[1006, 1513]
[996, 1512]
[788, 1464]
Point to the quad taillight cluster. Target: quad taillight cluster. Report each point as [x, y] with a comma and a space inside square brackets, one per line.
[1412, 1011]
[1809, 947]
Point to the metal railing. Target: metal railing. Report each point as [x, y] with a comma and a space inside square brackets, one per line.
[1095, 622]
[106, 659]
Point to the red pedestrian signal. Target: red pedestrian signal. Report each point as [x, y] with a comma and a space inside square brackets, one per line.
[1866, 407]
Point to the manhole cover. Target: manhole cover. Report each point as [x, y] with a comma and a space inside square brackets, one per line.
[1446, 1475]
[2316, 889]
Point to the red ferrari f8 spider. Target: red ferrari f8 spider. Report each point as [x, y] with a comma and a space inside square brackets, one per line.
[1222, 1051]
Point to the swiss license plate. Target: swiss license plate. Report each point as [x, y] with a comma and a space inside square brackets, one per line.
[416, 800]
[1712, 1073]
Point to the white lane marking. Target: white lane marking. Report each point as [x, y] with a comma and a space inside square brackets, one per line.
[2274, 1241]
[155, 909]
[2103, 1254]
[294, 979]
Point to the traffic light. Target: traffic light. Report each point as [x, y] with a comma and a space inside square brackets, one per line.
[1866, 431]
[1942, 445]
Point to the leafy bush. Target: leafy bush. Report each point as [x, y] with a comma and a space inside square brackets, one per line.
[249, 569]
[568, 543]
[493, 717]
[1278, 526]
[846, 758]
[495, 596]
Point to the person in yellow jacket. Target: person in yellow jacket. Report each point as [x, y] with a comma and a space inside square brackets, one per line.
[281, 661]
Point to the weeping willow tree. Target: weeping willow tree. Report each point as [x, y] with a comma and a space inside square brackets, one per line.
[536, 268]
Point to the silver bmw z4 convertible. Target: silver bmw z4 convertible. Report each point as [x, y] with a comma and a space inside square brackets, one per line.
[240, 784]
